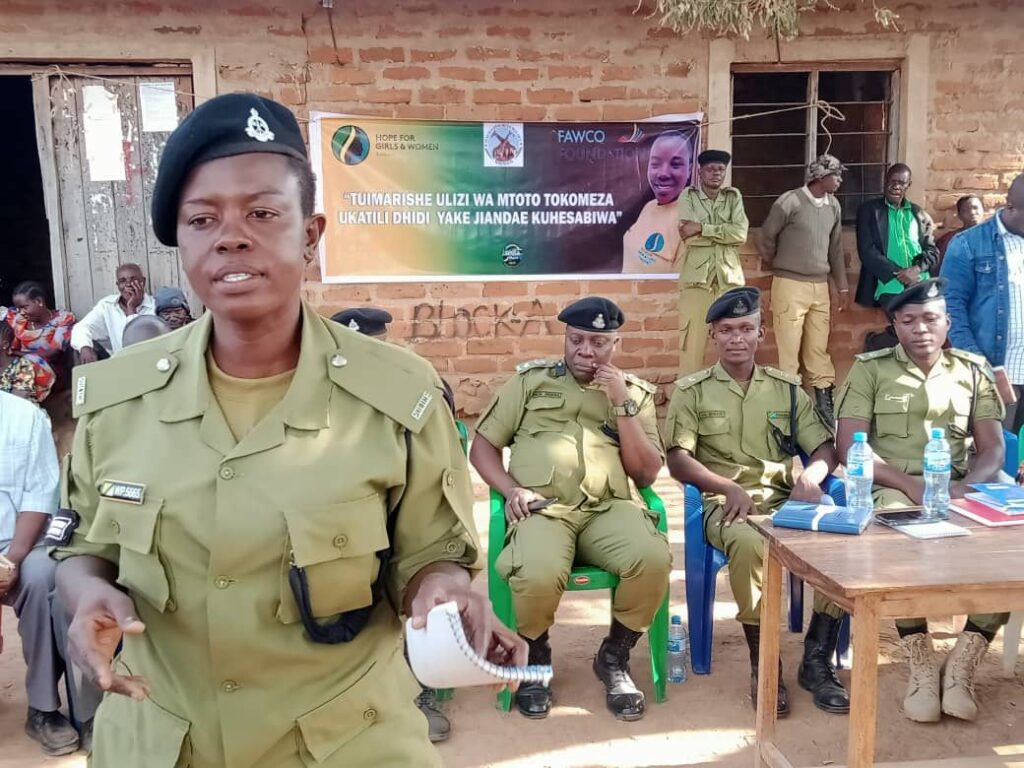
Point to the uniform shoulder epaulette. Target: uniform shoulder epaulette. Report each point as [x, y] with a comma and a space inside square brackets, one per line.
[395, 381]
[531, 365]
[129, 374]
[974, 359]
[876, 355]
[694, 378]
[789, 378]
[645, 385]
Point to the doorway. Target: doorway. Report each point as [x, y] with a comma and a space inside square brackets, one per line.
[24, 230]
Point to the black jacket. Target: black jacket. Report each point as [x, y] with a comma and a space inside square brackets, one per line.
[872, 241]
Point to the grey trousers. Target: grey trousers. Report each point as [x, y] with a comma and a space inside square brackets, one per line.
[43, 625]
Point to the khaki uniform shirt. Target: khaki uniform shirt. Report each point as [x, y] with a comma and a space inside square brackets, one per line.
[714, 255]
[903, 404]
[202, 529]
[729, 430]
[563, 435]
[651, 244]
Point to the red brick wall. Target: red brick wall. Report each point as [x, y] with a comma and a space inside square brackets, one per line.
[542, 60]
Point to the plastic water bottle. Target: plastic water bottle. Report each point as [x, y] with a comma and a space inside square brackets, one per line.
[677, 651]
[860, 474]
[937, 463]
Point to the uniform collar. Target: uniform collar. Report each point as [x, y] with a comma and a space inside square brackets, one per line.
[945, 362]
[722, 375]
[305, 404]
[701, 194]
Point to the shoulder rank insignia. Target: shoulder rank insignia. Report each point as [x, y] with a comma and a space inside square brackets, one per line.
[878, 353]
[775, 373]
[694, 378]
[976, 360]
[530, 365]
[646, 386]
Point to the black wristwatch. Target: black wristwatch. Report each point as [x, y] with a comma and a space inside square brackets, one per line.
[628, 408]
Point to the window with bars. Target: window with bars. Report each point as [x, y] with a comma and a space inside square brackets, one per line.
[776, 131]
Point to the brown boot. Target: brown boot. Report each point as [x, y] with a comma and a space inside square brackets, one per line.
[921, 702]
[958, 676]
[752, 632]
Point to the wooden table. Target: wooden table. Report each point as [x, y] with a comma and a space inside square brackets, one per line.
[881, 574]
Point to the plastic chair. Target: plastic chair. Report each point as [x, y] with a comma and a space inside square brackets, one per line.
[581, 578]
[702, 564]
[1012, 630]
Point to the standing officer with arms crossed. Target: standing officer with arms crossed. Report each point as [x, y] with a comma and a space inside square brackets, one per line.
[263, 586]
[732, 430]
[579, 429]
[897, 396]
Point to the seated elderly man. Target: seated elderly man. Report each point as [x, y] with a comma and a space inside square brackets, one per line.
[897, 396]
[732, 430]
[29, 484]
[579, 429]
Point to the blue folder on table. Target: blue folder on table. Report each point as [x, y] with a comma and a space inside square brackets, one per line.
[821, 517]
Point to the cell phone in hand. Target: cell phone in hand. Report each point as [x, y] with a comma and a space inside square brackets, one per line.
[539, 504]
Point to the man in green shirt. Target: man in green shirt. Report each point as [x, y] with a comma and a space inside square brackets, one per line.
[895, 241]
[712, 227]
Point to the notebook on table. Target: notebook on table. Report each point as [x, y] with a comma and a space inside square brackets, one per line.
[821, 517]
[984, 514]
[441, 655]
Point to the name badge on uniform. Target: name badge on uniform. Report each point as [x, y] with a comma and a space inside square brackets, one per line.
[421, 405]
[132, 493]
[62, 526]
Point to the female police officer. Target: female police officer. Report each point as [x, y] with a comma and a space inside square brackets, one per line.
[269, 489]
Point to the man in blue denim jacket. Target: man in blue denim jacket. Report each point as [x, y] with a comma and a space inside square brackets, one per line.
[985, 296]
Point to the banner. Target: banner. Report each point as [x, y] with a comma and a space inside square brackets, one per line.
[412, 200]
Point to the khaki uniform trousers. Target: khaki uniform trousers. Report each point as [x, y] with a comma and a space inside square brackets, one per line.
[694, 301]
[800, 316]
[744, 547]
[622, 539]
[890, 498]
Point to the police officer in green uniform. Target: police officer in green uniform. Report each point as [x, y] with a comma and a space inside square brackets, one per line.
[579, 429]
[732, 430]
[260, 585]
[897, 396]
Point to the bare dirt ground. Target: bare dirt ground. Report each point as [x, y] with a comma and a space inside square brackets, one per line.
[708, 721]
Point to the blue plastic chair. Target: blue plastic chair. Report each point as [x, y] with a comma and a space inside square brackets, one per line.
[702, 564]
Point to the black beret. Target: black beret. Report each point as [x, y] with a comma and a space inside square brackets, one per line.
[713, 156]
[736, 302]
[593, 313]
[918, 293]
[368, 321]
[232, 124]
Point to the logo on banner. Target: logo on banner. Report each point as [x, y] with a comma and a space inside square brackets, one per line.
[350, 145]
[512, 255]
[503, 145]
[653, 245]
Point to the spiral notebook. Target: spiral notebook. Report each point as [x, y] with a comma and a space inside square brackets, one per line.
[441, 655]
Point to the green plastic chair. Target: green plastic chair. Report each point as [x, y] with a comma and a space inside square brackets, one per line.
[581, 578]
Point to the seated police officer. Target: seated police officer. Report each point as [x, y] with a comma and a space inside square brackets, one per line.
[732, 430]
[579, 429]
[897, 396]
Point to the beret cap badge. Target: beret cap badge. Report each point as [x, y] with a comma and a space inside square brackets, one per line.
[599, 322]
[256, 127]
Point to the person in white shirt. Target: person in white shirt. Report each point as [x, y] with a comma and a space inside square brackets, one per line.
[98, 334]
[29, 486]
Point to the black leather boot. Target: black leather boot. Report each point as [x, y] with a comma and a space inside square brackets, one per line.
[752, 632]
[534, 699]
[817, 674]
[825, 406]
[611, 665]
